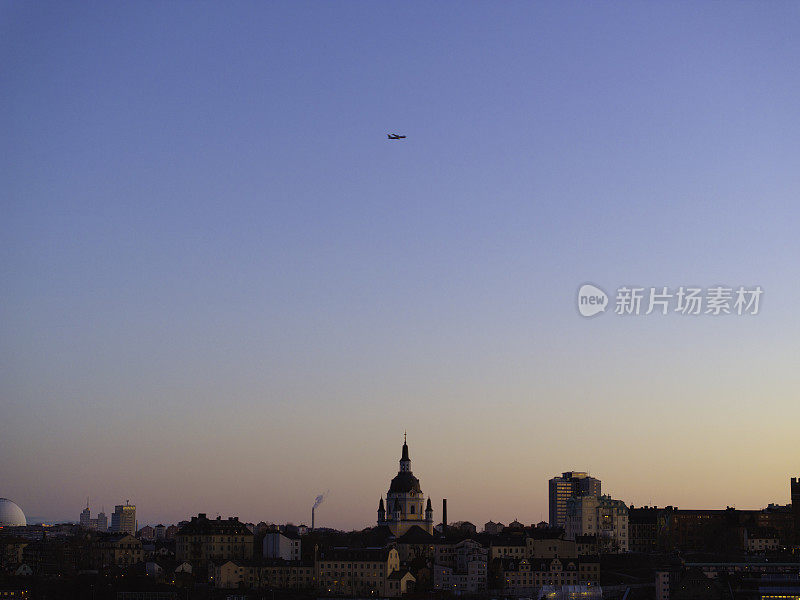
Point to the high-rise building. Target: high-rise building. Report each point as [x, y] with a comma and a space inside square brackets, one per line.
[123, 519]
[101, 521]
[86, 517]
[87, 522]
[572, 484]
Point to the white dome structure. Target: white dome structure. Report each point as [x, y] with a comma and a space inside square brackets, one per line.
[11, 515]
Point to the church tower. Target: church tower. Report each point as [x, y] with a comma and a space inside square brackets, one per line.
[405, 502]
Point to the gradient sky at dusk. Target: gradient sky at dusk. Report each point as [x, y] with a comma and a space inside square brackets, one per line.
[223, 290]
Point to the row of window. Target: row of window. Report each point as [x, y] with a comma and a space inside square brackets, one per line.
[352, 565]
[559, 569]
[212, 538]
[539, 583]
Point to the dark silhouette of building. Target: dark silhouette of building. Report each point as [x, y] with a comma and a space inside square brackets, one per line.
[796, 507]
[202, 540]
[644, 526]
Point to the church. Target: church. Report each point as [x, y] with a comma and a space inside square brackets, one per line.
[405, 503]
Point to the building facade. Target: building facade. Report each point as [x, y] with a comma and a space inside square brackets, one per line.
[259, 575]
[366, 571]
[604, 517]
[202, 540]
[120, 549]
[86, 518]
[529, 576]
[99, 524]
[645, 529]
[281, 545]
[461, 567]
[572, 484]
[761, 541]
[493, 528]
[123, 519]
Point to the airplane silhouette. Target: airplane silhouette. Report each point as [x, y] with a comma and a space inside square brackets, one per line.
[394, 136]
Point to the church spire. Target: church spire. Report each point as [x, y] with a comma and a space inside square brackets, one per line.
[381, 512]
[405, 461]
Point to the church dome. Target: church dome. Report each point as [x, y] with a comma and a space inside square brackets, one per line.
[403, 483]
[405, 502]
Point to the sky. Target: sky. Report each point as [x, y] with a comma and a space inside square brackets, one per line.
[223, 290]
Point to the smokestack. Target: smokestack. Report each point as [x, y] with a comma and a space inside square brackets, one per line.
[317, 502]
[444, 515]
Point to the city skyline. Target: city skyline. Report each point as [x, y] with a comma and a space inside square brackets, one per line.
[438, 510]
[223, 290]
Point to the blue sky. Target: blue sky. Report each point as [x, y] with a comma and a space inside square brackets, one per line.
[217, 274]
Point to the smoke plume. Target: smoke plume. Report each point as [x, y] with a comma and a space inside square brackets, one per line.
[319, 500]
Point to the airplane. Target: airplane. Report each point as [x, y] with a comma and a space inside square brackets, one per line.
[394, 136]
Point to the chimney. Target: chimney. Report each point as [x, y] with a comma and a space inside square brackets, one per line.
[312, 517]
[444, 515]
